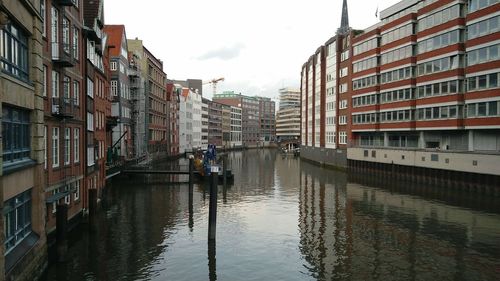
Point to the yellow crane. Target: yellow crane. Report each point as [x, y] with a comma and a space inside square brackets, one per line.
[214, 83]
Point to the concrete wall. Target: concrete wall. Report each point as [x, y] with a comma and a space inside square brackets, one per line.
[453, 161]
[325, 156]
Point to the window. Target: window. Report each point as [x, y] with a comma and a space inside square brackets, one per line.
[44, 80]
[343, 104]
[14, 51]
[483, 28]
[67, 198]
[364, 64]
[113, 66]
[55, 84]
[439, 41]
[17, 219]
[342, 120]
[439, 18]
[65, 36]
[90, 156]
[475, 5]
[76, 34]
[365, 46]
[67, 145]
[55, 147]
[54, 35]
[483, 55]
[76, 195]
[343, 72]
[90, 122]
[481, 82]
[398, 54]
[42, 13]
[90, 88]
[342, 138]
[54, 204]
[397, 34]
[15, 136]
[66, 89]
[76, 145]
[114, 88]
[76, 93]
[343, 88]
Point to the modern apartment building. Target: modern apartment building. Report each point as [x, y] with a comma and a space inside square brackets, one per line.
[236, 134]
[121, 106]
[419, 89]
[250, 115]
[288, 115]
[155, 81]
[226, 125]
[189, 120]
[325, 83]
[23, 29]
[63, 67]
[267, 119]
[204, 122]
[215, 123]
[97, 102]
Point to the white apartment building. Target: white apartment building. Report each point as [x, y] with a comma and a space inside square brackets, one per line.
[288, 116]
[189, 120]
[236, 131]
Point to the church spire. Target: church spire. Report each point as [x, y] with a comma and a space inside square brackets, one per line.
[344, 22]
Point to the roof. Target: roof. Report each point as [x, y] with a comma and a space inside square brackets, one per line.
[115, 34]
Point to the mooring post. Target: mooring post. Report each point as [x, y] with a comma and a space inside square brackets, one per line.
[92, 201]
[212, 209]
[224, 170]
[212, 267]
[61, 231]
[191, 179]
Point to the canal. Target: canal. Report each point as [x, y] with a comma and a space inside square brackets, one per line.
[286, 219]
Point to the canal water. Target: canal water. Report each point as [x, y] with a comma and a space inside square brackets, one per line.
[286, 219]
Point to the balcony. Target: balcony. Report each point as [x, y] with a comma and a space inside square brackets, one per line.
[63, 54]
[111, 122]
[65, 2]
[63, 107]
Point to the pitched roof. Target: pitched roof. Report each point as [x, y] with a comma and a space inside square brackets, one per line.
[115, 34]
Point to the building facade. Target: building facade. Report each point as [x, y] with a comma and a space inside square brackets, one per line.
[215, 123]
[173, 101]
[236, 131]
[226, 125]
[138, 99]
[155, 92]
[267, 120]
[64, 117]
[97, 102]
[119, 87]
[250, 115]
[189, 120]
[418, 89]
[288, 115]
[23, 250]
[204, 122]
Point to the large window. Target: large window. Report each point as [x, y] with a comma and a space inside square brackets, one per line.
[55, 84]
[76, 93]
[483, 27]
[15, 135]
[440, 41]
[483, 55]
[67, 146]
[475, 5]
[55, 147]
[438, 18]
[398, 54]
[76, 33]
[483, 82]
[65, 36]
[398, 33]
[17, 219]
[14, 51]
[76, 145]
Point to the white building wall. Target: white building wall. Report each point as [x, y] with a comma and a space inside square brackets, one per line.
[331, 97]
[317, 102]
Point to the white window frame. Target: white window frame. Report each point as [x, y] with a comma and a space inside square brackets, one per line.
[55, 147]
[76, 145]
[76, 93]
[45, 78]
[45, 147]
[76, 196]
[112, 66]
[67, 146]
[55, 84]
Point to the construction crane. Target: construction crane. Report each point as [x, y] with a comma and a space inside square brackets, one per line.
[214, 83]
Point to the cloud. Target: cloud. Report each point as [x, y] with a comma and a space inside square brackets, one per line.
[224, 53]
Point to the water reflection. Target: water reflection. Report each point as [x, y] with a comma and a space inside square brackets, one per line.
[351, 231]
[285, 219]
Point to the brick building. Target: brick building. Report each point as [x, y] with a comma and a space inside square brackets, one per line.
[418, 89]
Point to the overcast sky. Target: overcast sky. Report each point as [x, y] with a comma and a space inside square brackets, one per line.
[258, 46]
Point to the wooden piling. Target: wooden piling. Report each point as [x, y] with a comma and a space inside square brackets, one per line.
[212, 209]
[62, 232]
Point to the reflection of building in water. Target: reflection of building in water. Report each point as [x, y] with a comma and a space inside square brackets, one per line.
[349, 230]
[258, 164]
